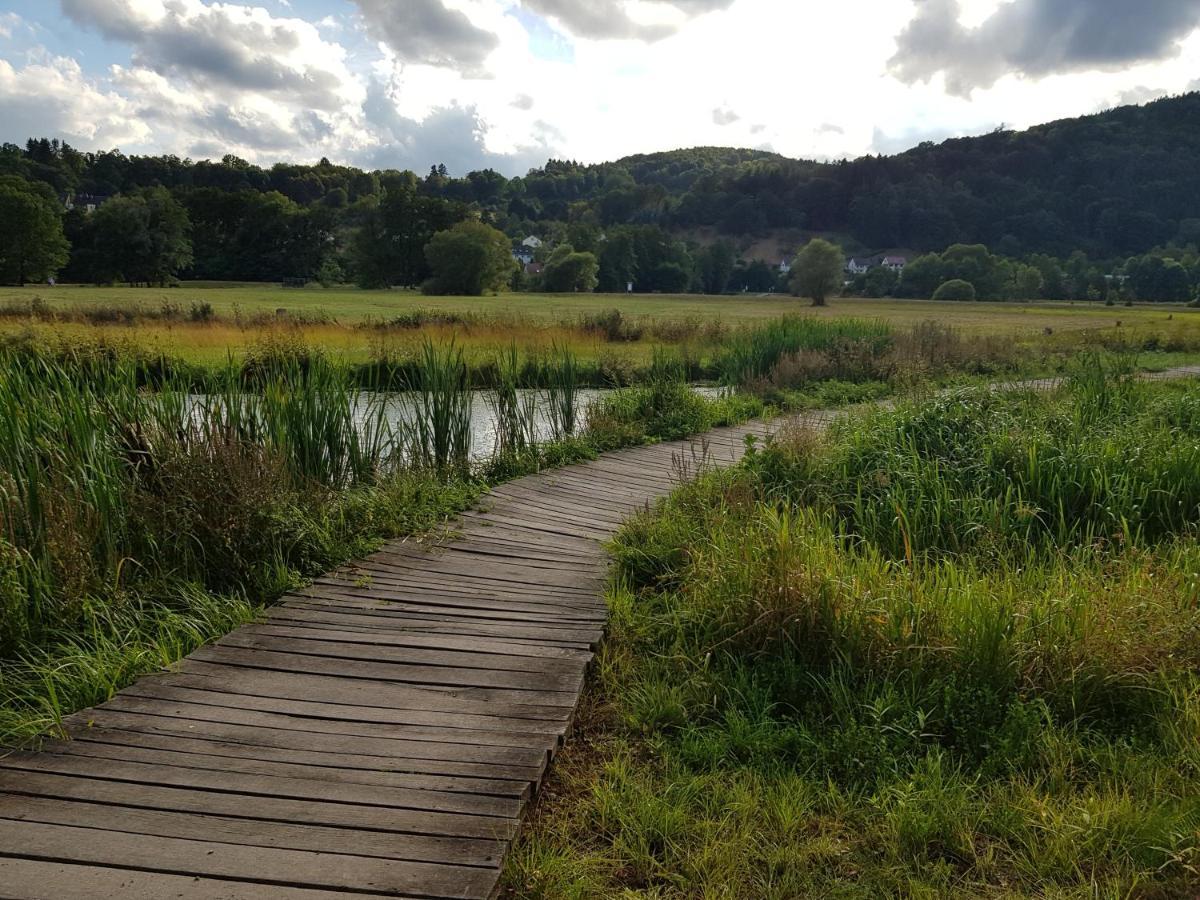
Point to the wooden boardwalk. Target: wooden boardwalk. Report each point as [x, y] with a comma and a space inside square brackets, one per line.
[377, 734]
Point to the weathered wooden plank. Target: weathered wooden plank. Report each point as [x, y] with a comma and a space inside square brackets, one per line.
[252, 832]
[348, 766]
[550, 689]
[355, 692]
[36, 879]
[277, 809]
[325, 724]
[291, 868]
[486, 647]
[364, 620]
[187, 754]
[335, 645]
[255, 785]
[395, 755]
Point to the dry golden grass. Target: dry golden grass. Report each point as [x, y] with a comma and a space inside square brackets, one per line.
[340, 320]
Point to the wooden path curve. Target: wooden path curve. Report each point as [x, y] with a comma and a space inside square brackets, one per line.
[378, 733]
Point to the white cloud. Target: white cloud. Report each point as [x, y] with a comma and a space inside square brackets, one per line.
[9, 21]
[54, 98]
[213, 77]
[225, 45]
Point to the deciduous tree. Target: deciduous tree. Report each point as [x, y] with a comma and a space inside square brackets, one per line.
[471, 258]
[817, 271]
[32, 246]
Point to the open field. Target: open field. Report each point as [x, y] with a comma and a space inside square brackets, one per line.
[350, 305]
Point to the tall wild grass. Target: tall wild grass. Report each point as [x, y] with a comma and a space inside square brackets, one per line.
[943, 650]
[751, 353]
[135, 524]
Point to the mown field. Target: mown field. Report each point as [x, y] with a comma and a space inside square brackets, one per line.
[947, 650]
[351, 305]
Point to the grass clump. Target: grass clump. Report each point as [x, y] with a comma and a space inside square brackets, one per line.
[943, 650]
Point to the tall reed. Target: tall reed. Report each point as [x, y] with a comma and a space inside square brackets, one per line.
[515, 412]
[752, 352]
[102, 482]
[562, 391]
[442, 408]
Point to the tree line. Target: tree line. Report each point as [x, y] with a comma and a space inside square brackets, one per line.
[1076, 204]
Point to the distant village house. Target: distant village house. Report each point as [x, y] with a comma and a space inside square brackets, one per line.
[89, 203]
[860, 265]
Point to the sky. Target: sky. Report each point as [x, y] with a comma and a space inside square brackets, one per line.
[508, 84]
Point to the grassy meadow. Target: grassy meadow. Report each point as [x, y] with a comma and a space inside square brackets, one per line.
[942, 650]
[203, 325]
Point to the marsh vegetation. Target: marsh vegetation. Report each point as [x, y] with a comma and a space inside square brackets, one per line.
[945, 649]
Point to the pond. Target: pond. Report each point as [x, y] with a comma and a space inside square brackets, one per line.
[399, 411]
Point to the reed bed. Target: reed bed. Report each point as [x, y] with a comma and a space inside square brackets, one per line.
[943, 650]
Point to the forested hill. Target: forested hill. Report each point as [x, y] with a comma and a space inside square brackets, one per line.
[1110, 185]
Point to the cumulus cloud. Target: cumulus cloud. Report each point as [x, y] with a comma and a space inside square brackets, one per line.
[426, 31]
[723, 116]
[886, 144]
[225, 45]
[54, 97]
[611, 19]
[1037, 38]
[522, 101]
[453, 135]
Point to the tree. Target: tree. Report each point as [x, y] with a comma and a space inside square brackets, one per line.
[714, 266]
[390, 245]
[142, 239]
[817, 271]
[1028, 283]
[569, 270]
[922, 276]
[32, 245]
[1155, 278]
[618, 261]
[469, 259]
[879, 281]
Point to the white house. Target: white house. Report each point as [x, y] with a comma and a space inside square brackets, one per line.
[89, 203]
[895, 263]
[784, 267]
[858, 266]
[532, 242]
[523, 254]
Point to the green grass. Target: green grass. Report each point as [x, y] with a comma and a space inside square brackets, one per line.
[944, 650]
[351, 305]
